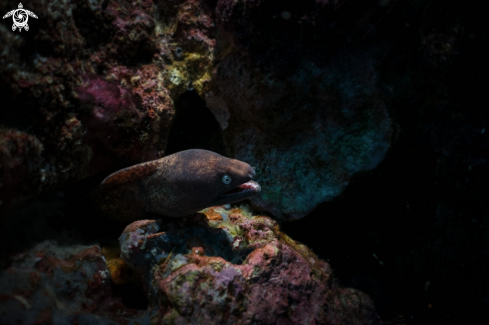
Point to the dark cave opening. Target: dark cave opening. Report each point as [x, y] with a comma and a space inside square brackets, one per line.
[132, 296]
[194, 126]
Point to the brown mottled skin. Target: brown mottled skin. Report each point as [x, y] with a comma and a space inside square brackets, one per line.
[176, 185]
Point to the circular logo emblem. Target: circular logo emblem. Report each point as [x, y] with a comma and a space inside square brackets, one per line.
[20, 17]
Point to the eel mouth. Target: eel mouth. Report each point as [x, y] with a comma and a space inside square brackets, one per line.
[241, 192]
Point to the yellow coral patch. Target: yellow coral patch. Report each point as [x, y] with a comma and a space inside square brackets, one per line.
[120, 272]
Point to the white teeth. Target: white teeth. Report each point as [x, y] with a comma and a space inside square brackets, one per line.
[245, 188]
[253, 185]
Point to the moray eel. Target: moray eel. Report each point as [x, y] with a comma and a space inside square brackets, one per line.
[175, 186]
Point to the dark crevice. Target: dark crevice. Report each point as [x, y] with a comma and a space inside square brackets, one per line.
[93, 29]
[132, 296]
[194, 126]
[44, 48]
[67, 216]
[20, 110]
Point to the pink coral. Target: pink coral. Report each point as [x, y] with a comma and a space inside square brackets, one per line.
[109, 97]
[88, 88]
[267, 278]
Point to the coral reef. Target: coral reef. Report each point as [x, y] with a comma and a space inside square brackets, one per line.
[307, 115]
[309, 92]
[95, 83]
[347, 130]
[104, 79]
[227, 266]
[223, 266]
[89, 93]
[51, 284]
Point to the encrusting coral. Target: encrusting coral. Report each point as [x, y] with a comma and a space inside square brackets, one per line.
[52, 284]
[88, 85]
[228, 266]
[224, 265]
[98, 82]
[304, 98]
[304, 91]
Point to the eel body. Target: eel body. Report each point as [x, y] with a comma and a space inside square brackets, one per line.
[176, 185]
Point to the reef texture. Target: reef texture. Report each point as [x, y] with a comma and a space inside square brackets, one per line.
[295, 103]
[228, 267]
[61, 285]
[306, 134]
[222, 266]
[94, 84]
[87, 94]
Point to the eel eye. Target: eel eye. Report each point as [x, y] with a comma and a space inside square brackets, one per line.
[226, 179]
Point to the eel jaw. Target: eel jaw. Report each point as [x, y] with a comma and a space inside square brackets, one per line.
[241, 192]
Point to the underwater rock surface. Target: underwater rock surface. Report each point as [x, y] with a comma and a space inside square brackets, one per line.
[87, 95]
[51, 284]
[308, 133]
[90, 88]
[298, 101]
[94, 85]
[225, 266]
